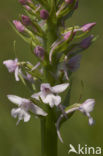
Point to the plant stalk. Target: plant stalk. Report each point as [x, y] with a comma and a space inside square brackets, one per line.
[48, 136]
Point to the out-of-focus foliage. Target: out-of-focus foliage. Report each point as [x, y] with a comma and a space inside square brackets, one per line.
[24, 139]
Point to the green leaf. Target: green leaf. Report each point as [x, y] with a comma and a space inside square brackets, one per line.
[44, 3]
[76, 105]
[22, 79]
[35, 74]
[39, 29]
[26, 39]
[53, 10]
[61, 46]
[67, 10]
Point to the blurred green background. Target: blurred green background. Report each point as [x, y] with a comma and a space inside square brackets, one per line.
[24, 139]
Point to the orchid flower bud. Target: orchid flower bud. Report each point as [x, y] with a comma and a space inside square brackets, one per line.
[76, 5]
[88, 27]
[27, 7]
[68, 34]
[25, 20]
[74, 63]
[39, 51]
[69, 1]
[23, 2]
[44, 14]
[19, 26]
[86, 42]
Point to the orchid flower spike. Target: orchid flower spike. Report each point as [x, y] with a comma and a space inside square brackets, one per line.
[47, 93]
[24, 105]
[87, 107]
[12, 66]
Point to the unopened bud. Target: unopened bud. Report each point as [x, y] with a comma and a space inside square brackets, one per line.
[74, 63]
[88, 27]
[25, 20]
[86, 42]
[23, 2]
[68, 34]
[76, 5]
[69, 1]
[27, 7]
[44, 14]
[39, 51]
[19, 26]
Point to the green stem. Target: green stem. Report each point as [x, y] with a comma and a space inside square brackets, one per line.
[51, 33]
[48, 136]
[48, 128]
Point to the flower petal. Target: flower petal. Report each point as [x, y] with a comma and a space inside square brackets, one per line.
[17, 74]
[11, 64]
[87, 106]
[16, 99]
[91, 121]
[37, 110]
[14, 112]
[52, 100]
[37, 95]
[60, 88]
[26, 116]
[45, 89]
[21, 114]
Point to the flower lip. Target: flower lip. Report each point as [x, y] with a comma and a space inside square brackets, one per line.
[21, 114]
